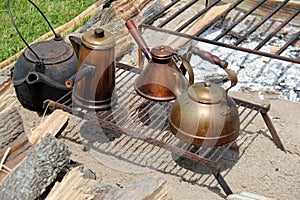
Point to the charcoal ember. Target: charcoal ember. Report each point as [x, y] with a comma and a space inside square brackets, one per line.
[44, 162]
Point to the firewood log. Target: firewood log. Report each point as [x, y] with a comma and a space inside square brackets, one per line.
[11, 126]
[45, 161]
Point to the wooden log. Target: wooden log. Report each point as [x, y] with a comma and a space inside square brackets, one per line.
[42, 166]
[11, 126]
[21, 146]
[73, 186]
[8, 98]
[201, 22]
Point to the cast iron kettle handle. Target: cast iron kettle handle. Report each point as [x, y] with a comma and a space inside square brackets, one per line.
[39, 65]
[214, 60]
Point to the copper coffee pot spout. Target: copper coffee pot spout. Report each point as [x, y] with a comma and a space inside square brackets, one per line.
[136, 34]
[76, 43]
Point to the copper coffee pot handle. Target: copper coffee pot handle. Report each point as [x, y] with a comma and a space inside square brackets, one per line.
[136, 34]
[214, 60]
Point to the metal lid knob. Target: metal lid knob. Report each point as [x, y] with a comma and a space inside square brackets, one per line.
[99, 33]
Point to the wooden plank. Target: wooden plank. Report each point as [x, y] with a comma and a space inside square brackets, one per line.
[52, 124]
[150, 188]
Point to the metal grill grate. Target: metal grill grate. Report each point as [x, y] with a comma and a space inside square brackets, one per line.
[262, 30]
[146, 121]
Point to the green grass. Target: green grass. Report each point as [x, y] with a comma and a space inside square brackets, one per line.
[31, 23]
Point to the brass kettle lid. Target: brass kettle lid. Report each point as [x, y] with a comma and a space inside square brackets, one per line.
[162, 51]
[98, 39]
[206, 92]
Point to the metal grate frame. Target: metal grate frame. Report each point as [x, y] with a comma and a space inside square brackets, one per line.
[146, 121]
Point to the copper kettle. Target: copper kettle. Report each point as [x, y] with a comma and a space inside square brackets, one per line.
[162, 78]
[95, 81]
[205, 115]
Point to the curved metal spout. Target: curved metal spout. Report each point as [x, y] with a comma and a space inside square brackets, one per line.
[87, 70]
[76, 43]
[37, 77]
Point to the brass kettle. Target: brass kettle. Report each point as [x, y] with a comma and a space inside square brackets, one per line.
[163, 77]
[205, 115]
[95, 81]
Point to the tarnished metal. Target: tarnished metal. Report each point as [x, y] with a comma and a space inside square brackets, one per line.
[205, 115]
[95, 51]
[162, 79]
[146, 120]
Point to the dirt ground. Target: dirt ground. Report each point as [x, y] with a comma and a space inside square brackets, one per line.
[254, 165]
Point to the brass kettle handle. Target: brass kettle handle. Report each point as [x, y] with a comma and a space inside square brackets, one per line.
[214, 60]
[205, 55]
[233, 78]
[185, 63]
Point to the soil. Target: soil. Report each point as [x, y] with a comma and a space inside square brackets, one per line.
[254, 165]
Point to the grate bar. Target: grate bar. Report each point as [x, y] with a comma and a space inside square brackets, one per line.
[247, 115]
[239, 20]
[277, 30]
[177, 13]
[240, 40]
[197, 16]
[249, 122]
[209, 25]
[292, 40]
[231, 46]
[150, 20]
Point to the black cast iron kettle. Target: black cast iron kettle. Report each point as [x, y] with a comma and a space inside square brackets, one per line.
[44, 69]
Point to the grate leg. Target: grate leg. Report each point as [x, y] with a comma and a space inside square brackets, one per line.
[221, 181]
[273, 131]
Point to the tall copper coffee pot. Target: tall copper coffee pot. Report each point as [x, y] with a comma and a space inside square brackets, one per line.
[162, 78]
[95, 81]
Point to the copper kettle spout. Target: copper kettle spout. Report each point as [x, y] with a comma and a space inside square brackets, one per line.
[76, 43]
